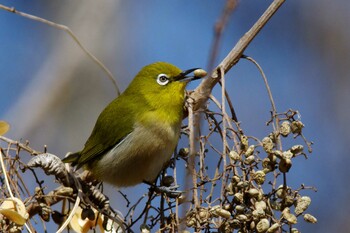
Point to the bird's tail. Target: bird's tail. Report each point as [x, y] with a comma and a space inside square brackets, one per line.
[72, 158]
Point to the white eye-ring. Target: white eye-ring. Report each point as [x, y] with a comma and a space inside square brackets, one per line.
[162, 79]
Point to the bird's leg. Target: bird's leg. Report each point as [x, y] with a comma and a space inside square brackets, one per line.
[165, 188]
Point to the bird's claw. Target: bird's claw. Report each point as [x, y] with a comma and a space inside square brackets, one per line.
[170, 191]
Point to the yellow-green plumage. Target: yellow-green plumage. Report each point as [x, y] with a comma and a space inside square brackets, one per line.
[136, 133]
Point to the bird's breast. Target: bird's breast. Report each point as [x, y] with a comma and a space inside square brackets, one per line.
[140, 156]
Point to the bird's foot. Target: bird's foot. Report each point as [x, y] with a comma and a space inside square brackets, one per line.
[170, 191]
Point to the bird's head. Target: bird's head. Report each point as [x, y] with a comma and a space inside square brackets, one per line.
[163, 83]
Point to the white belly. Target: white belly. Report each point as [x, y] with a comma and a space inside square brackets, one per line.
[127, 164]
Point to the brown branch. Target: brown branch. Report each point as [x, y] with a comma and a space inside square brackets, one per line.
[219, 28]
[201, 94]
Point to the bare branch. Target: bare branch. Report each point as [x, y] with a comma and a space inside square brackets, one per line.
[202, 92]
[71, 34]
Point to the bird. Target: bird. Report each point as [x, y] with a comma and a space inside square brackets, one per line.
[136, 134]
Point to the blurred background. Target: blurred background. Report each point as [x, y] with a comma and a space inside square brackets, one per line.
[52, 93]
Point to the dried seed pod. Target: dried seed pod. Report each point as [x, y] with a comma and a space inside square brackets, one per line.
[250, 151]
[234, 156]
[288, 201]
[253, 192]
[268, 165]
[249, 160]
[240, 208]
[259, 197]
[296, 149]
[267, 144]
[294, 230]
[225, 227]
[222, 213]
[263, 225]
[278, 154]
[260, 205]
[287, 154]
[266, 162]
[200, 73]
[252, 225]
[238, 198]
[14, 228]
[236, 224]
[284, 165]
[287, 215]
[285, 128]
[45, 212]
[244, 143]
[258, 213]
[227, 207]
[183, 152]
[242, 184]
[235, 179]
[214, 207]
[229, 189]
[280, 193]
[204, 213]
[273, 228]
[273, 136]
[310, 219]
[242, 217]
[191, 222]
[302, 204]
[259, 177]
[276, 205]
[297, 127]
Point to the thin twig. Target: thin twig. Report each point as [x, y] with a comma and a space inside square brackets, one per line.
[273, 105]
[75, 207]
[219, 28]
[7, 182]
[71, 34]
[224, 132]
[20, 145]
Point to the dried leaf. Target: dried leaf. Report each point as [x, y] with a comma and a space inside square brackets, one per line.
[15, 210]
[80, 225]
[4, 127]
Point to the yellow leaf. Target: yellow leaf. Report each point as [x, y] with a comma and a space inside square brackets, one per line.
[14, 209]
[4, 127]
[80, 225]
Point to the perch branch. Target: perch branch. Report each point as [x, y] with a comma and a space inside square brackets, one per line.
[201, 94]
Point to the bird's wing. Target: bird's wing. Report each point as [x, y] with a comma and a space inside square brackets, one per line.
[112, 126]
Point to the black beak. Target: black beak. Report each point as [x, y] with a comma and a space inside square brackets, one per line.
[184, 78]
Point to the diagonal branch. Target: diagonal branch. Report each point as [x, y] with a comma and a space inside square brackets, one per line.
[201, 94]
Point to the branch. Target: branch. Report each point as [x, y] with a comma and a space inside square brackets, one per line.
[201, 94]
[72, 35]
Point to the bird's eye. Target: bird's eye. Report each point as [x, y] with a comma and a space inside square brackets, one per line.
[162, 79]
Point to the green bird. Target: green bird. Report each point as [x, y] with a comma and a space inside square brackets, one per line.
[136, 134]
